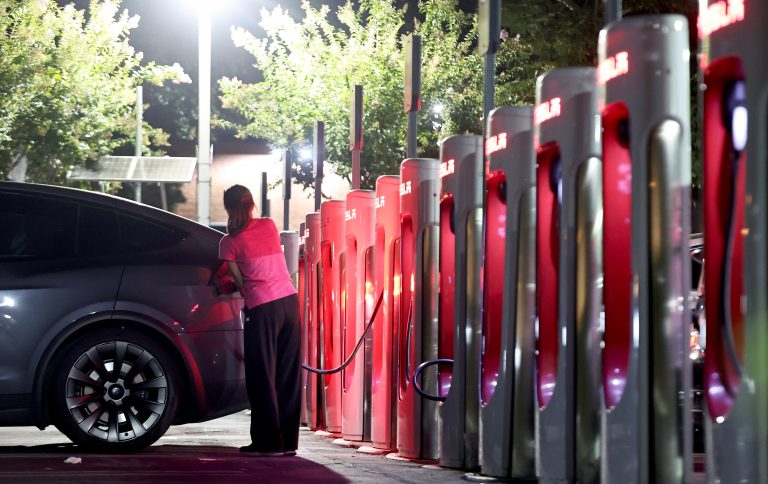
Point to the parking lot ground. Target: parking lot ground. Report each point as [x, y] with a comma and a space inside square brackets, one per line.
[205, 452]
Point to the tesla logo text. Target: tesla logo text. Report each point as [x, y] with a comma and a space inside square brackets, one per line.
[380, 201]
[613, 67]
[405, 188]
[495, 143]
[350, 215]
[546, 111]
[447, 168]
[720, 15]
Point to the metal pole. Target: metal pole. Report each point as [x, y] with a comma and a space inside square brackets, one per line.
[489, 20]
[489, 90]
[412, 132]
[612, 10]
[318, 159]
[204, 117]
[356, 133]
[287, 180]
[264, 199]
[139, 123]
[412, 91]
[355, 169]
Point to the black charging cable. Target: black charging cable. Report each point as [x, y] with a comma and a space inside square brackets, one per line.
[346, 363]
[417, 375]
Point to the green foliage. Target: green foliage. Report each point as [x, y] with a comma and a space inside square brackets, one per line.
[68, 85]
[309, 68]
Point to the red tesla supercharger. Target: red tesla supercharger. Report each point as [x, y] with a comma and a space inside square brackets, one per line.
[289, 240]
[301, 288]
[358, 305]
[644, 103]
[569, 274]
[331, 250]
[314, 394]
[386, 256]
[509, 282]
[417, 419]
[735, 74]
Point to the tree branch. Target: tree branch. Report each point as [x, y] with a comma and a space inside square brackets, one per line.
[568, 4]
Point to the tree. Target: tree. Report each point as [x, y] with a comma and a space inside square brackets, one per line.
[309, 68]
[68, 86]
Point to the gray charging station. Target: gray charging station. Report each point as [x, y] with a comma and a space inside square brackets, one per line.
[358, 300]
[301, 286]
[331, 250]
[569, 191]
[385, 336]
[734, 100]
[643, 81]
[289, 239]
[417, 419]
[507, 352]
[314, 402]
[460, 299]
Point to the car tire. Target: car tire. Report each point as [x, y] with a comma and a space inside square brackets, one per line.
[106, 410]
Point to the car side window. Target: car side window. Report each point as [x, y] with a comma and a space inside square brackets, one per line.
[36, 227]
[142, 236]
[98, 232]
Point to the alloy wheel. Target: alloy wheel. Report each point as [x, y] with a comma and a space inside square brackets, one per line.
[116, 391]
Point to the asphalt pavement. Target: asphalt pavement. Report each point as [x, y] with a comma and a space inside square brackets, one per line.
[205, 452]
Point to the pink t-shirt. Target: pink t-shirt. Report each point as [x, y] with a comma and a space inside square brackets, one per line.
[259, 255]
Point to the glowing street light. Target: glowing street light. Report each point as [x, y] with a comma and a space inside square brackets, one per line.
[204, 9]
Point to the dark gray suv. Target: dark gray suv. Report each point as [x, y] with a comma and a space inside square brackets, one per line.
[112, 326]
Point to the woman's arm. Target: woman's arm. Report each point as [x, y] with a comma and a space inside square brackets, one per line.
[235, 270]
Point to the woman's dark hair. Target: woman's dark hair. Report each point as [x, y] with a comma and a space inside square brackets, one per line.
[239, 204]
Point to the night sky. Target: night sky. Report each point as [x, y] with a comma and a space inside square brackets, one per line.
[167, 31]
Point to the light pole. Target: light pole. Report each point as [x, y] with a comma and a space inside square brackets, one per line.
[204, 112]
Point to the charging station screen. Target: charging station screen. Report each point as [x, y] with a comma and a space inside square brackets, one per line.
[397, 305]
[407, 314]
[725, 137]
[548, 187]
[328, 304]
[379, 327]
[617, 250]
[347, 312]
[447, 306]
[302, 290]
[493, 284]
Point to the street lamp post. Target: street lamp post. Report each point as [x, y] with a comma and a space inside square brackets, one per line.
[204, 114]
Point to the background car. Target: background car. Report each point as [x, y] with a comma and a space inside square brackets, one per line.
[697, 339]
[111, 324]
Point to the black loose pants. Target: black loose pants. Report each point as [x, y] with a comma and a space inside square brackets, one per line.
[272, 340]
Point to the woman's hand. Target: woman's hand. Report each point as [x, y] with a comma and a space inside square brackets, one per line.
[236, 274]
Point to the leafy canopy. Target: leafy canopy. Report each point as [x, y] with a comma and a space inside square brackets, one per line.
[310, 67]
[68, 85]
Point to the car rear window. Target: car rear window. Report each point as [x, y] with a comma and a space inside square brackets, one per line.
[98, 232]
[142, 236]
[36, 227]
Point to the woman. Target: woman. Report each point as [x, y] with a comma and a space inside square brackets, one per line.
[272, 336]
